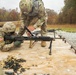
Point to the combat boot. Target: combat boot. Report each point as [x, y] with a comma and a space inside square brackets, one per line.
[43, 43]
[30, 45]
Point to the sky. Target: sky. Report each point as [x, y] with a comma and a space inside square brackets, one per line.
[55, 5]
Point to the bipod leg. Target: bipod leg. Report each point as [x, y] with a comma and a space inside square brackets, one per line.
[32, 43]
[54, 36]
[50, 47]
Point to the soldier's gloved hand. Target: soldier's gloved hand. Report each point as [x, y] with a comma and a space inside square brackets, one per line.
[31, 28]
[17, 43]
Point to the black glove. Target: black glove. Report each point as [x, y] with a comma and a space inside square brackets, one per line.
[17, 43]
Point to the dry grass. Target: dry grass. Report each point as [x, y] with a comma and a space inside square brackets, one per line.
[17, 23]
[62, 26]
[67, 27]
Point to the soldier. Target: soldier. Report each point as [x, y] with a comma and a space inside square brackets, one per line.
[33, 10]
[8, 29]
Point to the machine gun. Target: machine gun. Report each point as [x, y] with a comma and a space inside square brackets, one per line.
[21, 38]
[36, 38]
[32, 38]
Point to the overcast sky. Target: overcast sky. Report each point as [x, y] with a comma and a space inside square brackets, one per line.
[56, 5]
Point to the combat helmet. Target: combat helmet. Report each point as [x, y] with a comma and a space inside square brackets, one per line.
[25, 6]
[9, 27]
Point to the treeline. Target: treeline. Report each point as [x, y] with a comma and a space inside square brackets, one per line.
[66, 16]
[52, 16]
[68, 13]
[14, 15]
[9, 15]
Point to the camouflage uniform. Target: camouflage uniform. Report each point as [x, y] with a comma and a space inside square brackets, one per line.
[33, 10]
[6, 45]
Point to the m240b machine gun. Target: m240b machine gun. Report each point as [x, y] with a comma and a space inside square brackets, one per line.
[35, 38]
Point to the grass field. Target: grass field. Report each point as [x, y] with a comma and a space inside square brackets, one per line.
[67, 27]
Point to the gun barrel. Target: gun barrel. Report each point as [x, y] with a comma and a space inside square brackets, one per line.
[37, 38]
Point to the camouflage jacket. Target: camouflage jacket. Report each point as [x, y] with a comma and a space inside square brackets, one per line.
[32, 11]
[31, 7]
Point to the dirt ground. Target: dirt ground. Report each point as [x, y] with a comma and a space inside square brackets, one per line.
[39, 62]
